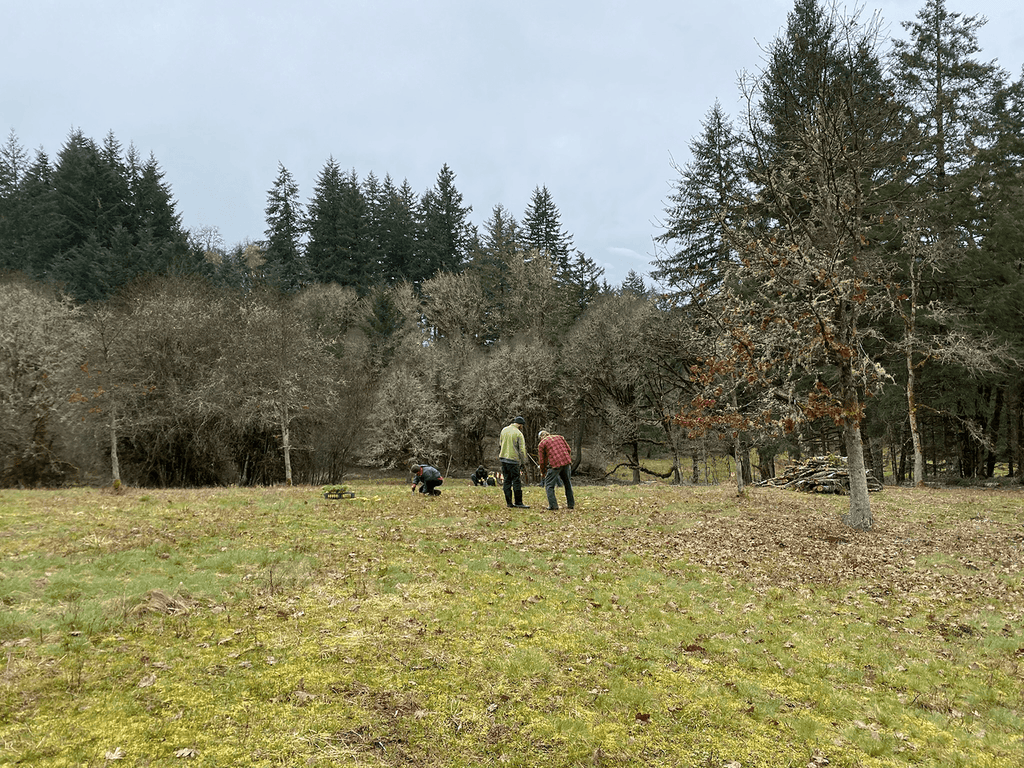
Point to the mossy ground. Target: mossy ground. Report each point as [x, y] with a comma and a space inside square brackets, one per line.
[653, 625]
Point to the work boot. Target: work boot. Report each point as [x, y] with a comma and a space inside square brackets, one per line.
[519, 500]
[508, 498]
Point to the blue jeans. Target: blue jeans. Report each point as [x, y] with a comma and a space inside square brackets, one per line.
[551, 480]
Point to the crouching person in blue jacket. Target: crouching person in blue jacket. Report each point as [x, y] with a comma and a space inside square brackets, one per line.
[427, 478]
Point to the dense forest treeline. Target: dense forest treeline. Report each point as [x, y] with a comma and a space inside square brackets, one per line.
[841, 270]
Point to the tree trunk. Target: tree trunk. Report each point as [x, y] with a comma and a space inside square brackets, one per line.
[677, 477]
[766, 462]
[915, 433]
[900, 463]
[745, 463]
[577, 444]
[859, 517]
[877, 453]
[286, 443]
[115, 464]
[1013, 431]
[993, 436]
[737, 452]
[737, 447]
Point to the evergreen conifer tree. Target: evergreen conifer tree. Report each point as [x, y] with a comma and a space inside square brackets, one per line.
[34, 238]
[285, 265]
[962, 107]
[702, 205]
[492, 254]
[827, 149]
[633, 285]
[397, 231]
[325, 226]
[947, 88]
[14, 167]
[444, 229]
[374, 231]
[542, 230]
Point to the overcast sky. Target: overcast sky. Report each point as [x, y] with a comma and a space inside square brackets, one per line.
[591, 98]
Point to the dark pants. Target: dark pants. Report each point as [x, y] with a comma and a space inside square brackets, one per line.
[428, 486]
[552, 478]
[512, 482]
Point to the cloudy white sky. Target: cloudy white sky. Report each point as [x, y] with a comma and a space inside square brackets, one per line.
[591, 98]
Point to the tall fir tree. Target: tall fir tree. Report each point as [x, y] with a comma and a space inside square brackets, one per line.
[77, 178]
[702, 205]
[581, 281]
[335, 224]
[286, 267]
[14, 168]
[153, 202]
[397, 231]
[322, 223]
[959, 104]
[35, 239]
[14, 163]
[795, 81]
[444, 229]
[633, 285]
[542, 230]
[493, 252]
[947, 87]
[827, 146]
[375, 230]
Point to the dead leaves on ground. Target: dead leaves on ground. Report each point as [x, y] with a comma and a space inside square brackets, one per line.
[776, 538]
[773, 543]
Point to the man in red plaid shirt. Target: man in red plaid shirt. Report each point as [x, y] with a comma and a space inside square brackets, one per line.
[556, 460]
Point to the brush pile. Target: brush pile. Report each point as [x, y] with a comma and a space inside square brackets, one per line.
[820, 474]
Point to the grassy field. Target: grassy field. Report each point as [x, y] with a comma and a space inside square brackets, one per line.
[651, 626]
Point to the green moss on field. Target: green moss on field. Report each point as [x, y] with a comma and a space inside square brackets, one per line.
[655, 626]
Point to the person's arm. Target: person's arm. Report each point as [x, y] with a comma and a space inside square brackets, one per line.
[524, 458]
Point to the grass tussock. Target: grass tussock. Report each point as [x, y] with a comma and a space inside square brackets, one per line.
[653, 626]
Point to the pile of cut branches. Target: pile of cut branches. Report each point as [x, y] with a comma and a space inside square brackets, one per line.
[819, 474]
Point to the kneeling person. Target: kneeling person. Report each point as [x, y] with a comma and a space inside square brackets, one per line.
[427, 477]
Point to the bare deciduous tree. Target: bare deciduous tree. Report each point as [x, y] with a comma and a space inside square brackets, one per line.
[38, 336]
